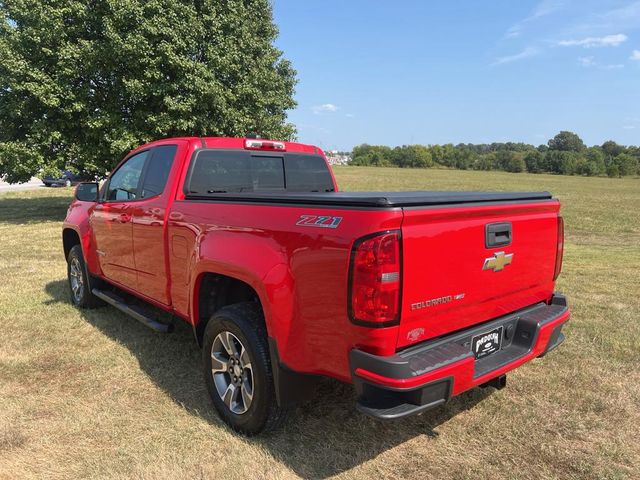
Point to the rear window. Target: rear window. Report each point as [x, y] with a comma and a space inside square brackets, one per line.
[233, 171]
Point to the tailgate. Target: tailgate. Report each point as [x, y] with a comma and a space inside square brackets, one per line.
[453, 279]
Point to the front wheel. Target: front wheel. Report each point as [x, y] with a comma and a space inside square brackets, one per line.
[237, 369]
[79, 284]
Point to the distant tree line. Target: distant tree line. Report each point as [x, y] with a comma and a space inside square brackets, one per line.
[564, 154]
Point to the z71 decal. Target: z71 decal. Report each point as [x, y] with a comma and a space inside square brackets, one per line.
[321, 221]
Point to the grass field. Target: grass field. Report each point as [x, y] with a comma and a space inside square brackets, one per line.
[95, 394]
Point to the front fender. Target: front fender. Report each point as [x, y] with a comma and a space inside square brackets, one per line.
[78, 220]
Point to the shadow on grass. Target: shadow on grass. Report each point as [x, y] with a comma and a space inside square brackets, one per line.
[324, 437]
[23, 210]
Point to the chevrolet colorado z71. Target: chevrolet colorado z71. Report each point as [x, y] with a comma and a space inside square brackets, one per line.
[413, 297]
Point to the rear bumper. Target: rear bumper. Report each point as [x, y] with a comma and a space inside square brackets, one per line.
[429, 374]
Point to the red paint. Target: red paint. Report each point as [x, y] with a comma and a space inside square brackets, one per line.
[444, 251]
[160, 248]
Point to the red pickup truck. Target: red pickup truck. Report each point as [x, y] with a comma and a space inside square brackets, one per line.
[413, 297]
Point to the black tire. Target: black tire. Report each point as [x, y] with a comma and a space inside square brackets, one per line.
[77, 268]
[246, 322]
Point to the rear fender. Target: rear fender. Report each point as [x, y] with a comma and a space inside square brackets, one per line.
[267, 273]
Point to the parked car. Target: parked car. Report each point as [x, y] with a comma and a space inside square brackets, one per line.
[412, 297]
[66, 179]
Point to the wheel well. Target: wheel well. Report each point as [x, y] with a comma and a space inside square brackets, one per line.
[69, 239]
[217, 291]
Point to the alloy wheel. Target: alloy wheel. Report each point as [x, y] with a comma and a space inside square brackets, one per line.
[76, 279]
[232, 372]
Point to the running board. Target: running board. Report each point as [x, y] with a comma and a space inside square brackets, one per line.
[133, 310]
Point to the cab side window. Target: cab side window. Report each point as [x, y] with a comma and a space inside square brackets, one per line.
[157, 170]
[123, 184]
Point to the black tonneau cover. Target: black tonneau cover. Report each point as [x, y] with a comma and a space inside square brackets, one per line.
[375, 199]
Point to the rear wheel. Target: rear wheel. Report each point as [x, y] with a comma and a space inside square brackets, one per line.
[237, 369]
[79, 280]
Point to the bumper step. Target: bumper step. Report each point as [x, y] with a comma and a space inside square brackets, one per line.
[388, 405]
[427, 375]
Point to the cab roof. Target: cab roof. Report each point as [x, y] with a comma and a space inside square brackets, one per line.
[241, 144]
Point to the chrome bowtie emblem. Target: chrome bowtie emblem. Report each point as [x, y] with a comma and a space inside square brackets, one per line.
[498, 261]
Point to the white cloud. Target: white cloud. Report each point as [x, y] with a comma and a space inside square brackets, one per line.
[624, 18]
[589, 42]
[349, 115]
[542, 9]
[629, 127]
[587, 61]
[591, 62]
[635, 55]
[325, 107]
[526, 53]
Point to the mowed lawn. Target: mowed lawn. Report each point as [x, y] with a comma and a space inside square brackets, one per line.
[95, 394]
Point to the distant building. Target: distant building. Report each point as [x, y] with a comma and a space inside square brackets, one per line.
[336, 158]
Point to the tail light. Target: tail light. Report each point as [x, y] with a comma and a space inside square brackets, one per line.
[375, 275]
[559, 248]
[251, 144]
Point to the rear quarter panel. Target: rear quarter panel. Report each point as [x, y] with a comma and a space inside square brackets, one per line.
[300, 273]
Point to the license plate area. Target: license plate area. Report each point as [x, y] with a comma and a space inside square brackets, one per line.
[487, 343]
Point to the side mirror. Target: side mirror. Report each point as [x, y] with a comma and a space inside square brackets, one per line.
[87, 192]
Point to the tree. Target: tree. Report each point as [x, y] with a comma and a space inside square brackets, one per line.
[374, 155]
[613, 171]
[566, 142]
[510, 161]
[584, 167]
[533, 161]
[412, 156]
[627, 164]
[542, 148]
[562, 162]
[463, 158]
[516, 164]
[595, 158]
[504, 159]
[443, 154]
[81, 83]
[611, 149]
[485, 162]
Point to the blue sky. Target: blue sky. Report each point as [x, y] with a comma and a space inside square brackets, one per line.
[409, 71]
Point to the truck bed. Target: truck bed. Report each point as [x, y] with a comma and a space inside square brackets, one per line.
[374, 199]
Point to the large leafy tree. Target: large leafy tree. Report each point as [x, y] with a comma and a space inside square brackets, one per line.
[566, 142]
[611, 149]
[82, 82]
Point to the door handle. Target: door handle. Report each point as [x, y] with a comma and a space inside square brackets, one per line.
[497, 234]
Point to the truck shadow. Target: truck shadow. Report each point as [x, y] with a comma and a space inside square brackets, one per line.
[318, 430]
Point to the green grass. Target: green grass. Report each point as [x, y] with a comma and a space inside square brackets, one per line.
[95, 394]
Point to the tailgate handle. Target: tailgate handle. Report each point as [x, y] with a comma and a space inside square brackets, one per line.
[497, 234]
